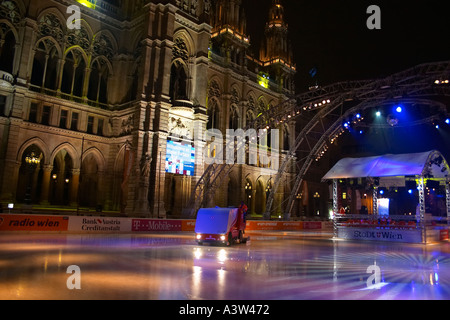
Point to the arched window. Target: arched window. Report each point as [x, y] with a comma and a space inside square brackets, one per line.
[213, 115]
[61, 177]
[73, 73]
[178, 81]
[234, 118]
[29, 184]
[7, 48]
[250, 117]
[45, 65]
[98, 82]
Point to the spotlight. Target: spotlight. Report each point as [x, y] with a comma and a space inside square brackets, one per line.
[399, 109]
[437, 126]
[410, 191]
[447, 121]
[378, 114]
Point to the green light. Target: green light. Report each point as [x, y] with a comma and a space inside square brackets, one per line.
[263, 81]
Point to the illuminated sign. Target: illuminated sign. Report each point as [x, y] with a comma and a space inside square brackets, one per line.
[263, 81]
[383, 206]
[180, 158]
[88, 3]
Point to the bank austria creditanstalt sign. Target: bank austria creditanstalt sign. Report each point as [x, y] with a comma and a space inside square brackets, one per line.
[99, 224]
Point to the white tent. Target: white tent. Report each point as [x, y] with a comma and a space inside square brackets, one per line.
[430, 163]
[393, 167]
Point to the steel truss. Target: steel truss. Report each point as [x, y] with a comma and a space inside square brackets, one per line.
[326, 108]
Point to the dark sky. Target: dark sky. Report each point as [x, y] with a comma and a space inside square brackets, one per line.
[332, 36]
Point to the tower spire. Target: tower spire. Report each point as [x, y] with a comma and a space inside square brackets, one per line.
[276, 52]
[276, 14]
[229, 37]
[229, 14]
[276, 44]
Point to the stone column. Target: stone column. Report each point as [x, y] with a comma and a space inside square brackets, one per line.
[159, 210]
[73, 189]
[46, 184]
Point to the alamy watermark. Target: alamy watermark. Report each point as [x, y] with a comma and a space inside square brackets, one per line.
[375, 278]
[243, 147]
[74, 280]
[374, 20]
[74, 20]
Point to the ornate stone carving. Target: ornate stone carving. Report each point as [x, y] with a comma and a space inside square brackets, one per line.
[102, 46]
[180, 50]
[180, 128]
[145, 165]
[79, 37]
[214, 90]
[127, 126]
[50, 25]
[10, 11]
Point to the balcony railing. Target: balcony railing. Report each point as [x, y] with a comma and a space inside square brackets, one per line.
[70, 97]
[6, 77]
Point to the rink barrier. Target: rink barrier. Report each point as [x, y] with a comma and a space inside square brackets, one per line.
[89, 224]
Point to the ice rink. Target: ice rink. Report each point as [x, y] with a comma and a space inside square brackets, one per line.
[272, 266]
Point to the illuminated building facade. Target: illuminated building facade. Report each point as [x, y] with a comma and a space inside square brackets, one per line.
[87, 113]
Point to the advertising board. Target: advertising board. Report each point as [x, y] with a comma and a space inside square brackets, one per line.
[21, 222]
[392, 235]
[155, 225]
[180, 158]
[99, 224]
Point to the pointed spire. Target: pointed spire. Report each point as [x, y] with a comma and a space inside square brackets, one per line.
[228, 13]
[276, 44]
[276, 13]
[276, 51]
[229, 19]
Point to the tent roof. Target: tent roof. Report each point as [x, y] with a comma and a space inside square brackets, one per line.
[389, 165]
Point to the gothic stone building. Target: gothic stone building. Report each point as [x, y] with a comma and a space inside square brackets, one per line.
[89, 106]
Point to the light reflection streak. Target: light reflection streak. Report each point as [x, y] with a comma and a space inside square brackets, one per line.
[196, 281]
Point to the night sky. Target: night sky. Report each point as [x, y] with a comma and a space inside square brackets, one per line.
[332, 36]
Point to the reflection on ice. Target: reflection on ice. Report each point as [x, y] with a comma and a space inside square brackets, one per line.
[222, 256]
[173, 267]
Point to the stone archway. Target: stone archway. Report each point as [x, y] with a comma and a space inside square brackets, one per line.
[31, 174]
[61, 179]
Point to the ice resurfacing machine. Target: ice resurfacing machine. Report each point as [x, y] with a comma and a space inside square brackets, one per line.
[220, 225]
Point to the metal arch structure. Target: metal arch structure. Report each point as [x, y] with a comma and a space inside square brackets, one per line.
[421, 83]
[323, 109]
